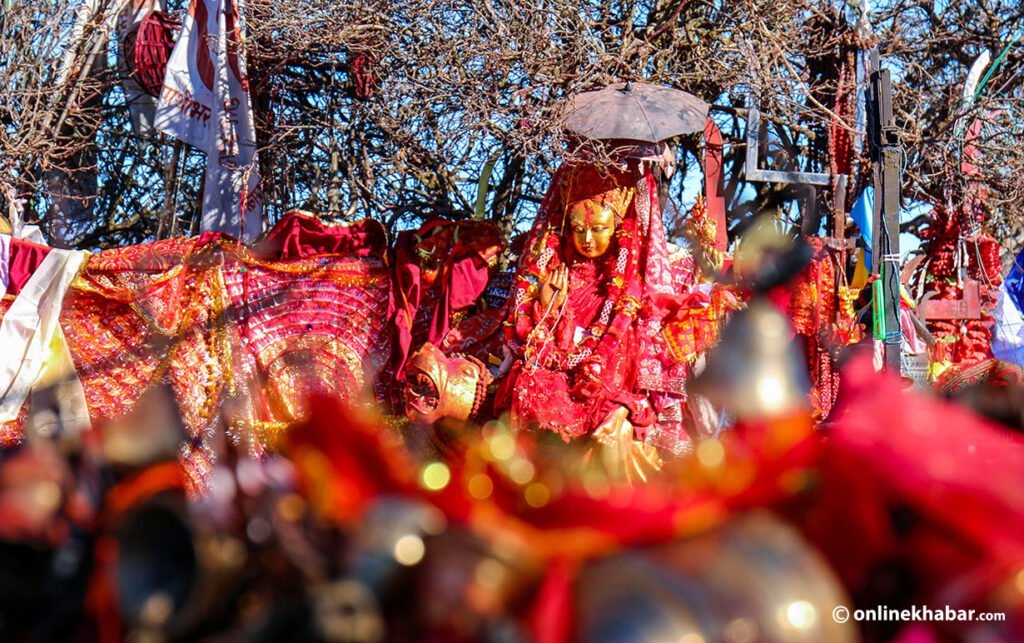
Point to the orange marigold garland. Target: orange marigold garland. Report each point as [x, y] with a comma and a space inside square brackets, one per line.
[705, 231]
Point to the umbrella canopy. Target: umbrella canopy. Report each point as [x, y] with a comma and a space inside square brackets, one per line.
[635, 111]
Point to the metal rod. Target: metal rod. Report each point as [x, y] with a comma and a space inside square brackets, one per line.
[755, 139]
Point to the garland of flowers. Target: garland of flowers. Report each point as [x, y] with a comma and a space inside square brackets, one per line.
[705, 229]
[821, 311]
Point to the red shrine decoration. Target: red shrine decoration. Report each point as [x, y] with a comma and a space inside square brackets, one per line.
[154, 41]
[962, 269]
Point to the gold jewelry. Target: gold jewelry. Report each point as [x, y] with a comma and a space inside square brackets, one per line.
[628, 305]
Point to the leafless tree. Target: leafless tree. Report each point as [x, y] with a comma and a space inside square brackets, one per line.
[407, 110]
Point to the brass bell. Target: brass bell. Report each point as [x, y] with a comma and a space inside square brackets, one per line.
[152, 432]
[753, 579]
[756, 371]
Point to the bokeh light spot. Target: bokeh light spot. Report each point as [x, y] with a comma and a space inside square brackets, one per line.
[291, 507]
[711, 453]
[537, 495]
[409, 550]
[490, 573]
[503, 446]
[521, 471]
[740, 630]
[480, 486]
[435, 476]
[596, 485]
[47, 496]
[800, 614]
[157, 609]
[770, 392]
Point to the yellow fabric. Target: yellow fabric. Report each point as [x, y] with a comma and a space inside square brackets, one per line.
[860, 272]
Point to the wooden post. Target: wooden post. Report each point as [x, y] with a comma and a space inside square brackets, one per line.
[839, 208]
[887, 158]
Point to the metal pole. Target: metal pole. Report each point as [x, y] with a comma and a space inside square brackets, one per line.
[887, 170]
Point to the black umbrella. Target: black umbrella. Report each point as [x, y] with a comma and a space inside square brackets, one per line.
[635, 111]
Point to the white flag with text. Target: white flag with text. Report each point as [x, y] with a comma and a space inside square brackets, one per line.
[205, 103]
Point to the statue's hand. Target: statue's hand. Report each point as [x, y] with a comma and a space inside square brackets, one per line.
[555, 285]
[621, 455]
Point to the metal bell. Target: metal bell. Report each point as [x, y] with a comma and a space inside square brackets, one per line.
[756, 371]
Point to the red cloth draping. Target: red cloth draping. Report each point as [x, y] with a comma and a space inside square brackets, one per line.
[215, 319]
[464, 254]
[910, 477]
[25, 258]
[298, 235]
[405, 299]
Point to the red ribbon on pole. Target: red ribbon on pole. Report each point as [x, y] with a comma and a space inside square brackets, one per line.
[713, 185]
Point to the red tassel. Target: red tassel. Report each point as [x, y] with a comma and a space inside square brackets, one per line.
[360, 70]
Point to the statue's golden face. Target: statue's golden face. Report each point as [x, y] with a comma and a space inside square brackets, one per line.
[592, 226]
